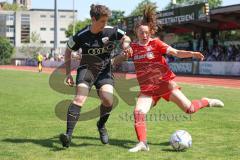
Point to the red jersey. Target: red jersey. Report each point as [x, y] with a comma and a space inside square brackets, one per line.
[152, 70]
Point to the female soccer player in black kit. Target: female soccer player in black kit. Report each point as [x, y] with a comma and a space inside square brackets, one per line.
[95, 40]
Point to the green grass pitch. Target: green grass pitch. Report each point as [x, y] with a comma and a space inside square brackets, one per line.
[30, 128]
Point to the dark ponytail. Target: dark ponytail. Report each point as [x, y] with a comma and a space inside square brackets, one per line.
[149, 19]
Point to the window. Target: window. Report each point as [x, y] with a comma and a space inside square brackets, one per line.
[10, 29]
[52, 29]
[2, 29]
[43, 16]
[2, 17]
[12, 40]
[51, 42]
[63, 42]
[10, 17]
[22, 2]
[62, 29]
[62, 16]
[43, 29]
[25, 28]
[43, 42]
[52, 16]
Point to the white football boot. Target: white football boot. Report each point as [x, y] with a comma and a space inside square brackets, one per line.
[214, 102]
[141, 146]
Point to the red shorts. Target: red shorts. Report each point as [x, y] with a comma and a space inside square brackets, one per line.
[166, 96]
[162, 91]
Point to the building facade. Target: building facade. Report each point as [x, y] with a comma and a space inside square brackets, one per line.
[19, 26]
[25, 3]
[7, 25]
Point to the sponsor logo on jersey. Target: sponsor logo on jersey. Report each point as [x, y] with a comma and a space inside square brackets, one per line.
[138, 57]
[105, 40]
[150, 55]
[106, 49]
[149, 48]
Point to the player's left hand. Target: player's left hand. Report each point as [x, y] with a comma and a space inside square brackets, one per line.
[198, 55]
[128, 52]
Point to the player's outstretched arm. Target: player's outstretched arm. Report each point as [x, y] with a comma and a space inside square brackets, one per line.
[127, 51]
[125, 42]
[122, 57]
[67, 58]
[185, 54]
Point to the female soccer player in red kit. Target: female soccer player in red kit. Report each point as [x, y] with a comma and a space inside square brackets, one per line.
[155, 78]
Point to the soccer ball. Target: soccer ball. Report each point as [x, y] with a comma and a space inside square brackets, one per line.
[180, 140]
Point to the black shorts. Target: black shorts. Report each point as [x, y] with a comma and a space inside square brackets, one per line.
[39, 62]
[86, 76]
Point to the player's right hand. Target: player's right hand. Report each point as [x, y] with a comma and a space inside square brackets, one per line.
[69, 81]
[128, 52]
[198, 55]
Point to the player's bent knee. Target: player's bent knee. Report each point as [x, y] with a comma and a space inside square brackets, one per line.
[107, 101]
[142, 109]
[190, 110]
[83, 86]
[172, 85]
[79, 100]
[106, 95]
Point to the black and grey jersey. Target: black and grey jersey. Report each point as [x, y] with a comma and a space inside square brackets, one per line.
[100, 44]
[96, 49]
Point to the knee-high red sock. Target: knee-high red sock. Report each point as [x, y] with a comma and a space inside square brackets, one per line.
[196, 105]
[140, 125]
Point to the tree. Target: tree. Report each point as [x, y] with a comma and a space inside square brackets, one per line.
[139, 9]
[13, 7]
[117, 17]
[233, 35]
[6, 50]
[78, 26]
[114, 20]
[212, 3]
[32, 49]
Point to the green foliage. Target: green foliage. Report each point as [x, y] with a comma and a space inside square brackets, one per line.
[35, 38]
[117, 17]
[13, 7]
[30, 128]
[78, 26]
[6, 50]
[32, 49]
[212, 3]
[233, 35]
[139, 9]
[185, 37]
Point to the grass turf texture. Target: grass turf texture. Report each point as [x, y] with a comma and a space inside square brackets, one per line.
[30, 128]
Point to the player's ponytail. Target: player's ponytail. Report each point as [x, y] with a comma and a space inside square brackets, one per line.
[149, 18]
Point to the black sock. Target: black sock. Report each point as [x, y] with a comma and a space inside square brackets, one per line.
[72, 117]
[104, 114]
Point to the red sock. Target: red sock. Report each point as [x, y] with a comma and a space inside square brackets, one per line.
[196, 105]
[140, 125]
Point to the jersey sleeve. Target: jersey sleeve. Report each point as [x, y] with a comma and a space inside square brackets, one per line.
[117, 34]
[162, 47]
[74, 43]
